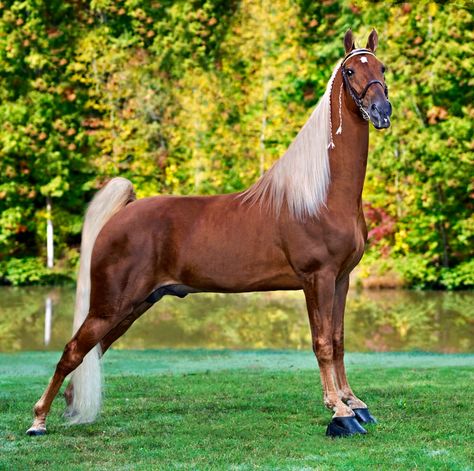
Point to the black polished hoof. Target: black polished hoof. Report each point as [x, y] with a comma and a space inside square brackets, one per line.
[364, 416]
[34, 432]
[344, 426]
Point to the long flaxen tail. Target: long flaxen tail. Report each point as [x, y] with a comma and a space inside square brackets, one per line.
[87, 378]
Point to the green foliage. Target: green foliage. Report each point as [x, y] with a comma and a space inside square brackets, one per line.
[462, 276]
[23, 271]
[202, 96]
[30, 271]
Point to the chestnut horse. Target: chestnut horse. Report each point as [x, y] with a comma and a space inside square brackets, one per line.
[301, 226]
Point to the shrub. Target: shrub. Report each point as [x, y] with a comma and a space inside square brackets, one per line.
[459, 277]
[30, 271]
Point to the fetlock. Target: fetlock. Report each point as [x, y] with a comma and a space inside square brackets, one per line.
[341, 410]
[355, 403]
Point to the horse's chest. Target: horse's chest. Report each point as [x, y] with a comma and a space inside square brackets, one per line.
[339, 246]
[346, 244]
[354, 249]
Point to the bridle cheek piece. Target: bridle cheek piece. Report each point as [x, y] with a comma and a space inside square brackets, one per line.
[358, 99]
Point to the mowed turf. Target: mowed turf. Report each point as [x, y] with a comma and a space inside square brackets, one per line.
[243, 410]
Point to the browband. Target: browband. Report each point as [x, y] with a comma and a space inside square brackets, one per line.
[356, 52]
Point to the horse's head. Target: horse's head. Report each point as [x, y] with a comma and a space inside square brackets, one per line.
[364, 81]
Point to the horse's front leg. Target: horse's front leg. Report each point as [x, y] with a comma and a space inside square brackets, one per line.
[319, 289]
[344, 390]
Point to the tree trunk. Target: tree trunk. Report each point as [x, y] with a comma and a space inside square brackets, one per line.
[49, 235]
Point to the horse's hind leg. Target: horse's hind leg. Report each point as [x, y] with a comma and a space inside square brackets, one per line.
[110, 338]
[344, 390]
[121, 328]
[90, 334]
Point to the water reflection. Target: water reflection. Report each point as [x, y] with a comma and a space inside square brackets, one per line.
[375, 321]
[48, 319]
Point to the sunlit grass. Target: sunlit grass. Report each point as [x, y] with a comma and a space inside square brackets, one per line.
[243, 410]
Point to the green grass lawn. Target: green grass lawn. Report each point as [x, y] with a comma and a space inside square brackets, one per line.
[243, 410]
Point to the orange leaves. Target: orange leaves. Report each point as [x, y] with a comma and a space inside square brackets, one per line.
[24, 168]
[92, 123]
[354, 8]
[436, 114]
[54, 33]
[70, 95]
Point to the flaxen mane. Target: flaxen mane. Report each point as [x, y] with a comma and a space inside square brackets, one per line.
[301, 176]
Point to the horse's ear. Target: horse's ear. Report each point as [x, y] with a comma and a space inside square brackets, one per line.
[373, 41]
[349, 41]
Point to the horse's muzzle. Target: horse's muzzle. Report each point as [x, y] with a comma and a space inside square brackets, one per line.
[379, 113]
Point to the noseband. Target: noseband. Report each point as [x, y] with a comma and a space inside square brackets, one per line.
[358, 98]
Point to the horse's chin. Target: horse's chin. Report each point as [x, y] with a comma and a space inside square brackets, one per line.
[381, 123]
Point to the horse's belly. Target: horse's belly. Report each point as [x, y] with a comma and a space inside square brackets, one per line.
[235, 264]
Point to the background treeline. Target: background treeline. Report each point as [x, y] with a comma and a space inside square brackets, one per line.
[202, 96]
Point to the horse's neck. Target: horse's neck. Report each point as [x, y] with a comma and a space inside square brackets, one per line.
[348, 159]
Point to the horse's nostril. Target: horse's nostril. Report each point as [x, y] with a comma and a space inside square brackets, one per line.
[374, 107]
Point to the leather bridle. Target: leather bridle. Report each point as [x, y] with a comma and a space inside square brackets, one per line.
[358, 98]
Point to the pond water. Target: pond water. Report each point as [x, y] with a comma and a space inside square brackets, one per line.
[40, 318]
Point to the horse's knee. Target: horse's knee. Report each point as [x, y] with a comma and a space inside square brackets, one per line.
[323, 349]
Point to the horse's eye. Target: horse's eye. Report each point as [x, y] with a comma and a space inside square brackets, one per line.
[383, 69]
[350, 72]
